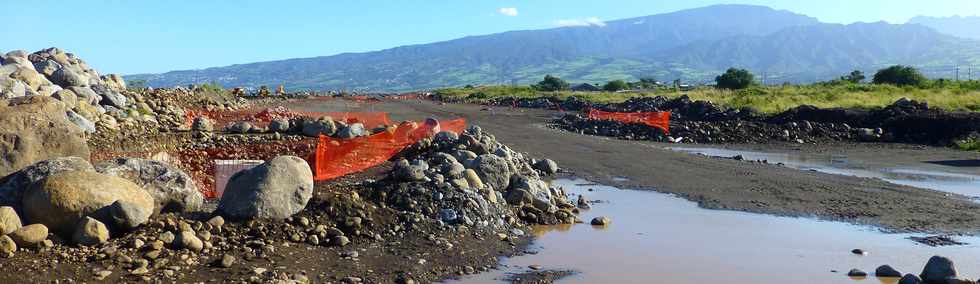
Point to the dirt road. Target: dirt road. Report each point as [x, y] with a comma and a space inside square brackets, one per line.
[714, 183]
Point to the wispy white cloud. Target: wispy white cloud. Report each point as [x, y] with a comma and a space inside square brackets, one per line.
[511, 11]
[584, 22]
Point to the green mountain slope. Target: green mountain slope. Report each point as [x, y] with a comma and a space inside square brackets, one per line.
[691, 44]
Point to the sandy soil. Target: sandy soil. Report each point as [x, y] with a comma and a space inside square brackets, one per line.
[719, 183]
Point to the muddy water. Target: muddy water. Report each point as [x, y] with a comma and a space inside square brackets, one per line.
[960, 183]
[658, 238]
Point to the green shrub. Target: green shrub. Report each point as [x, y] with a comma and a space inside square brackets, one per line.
[970, 144]
[899, 75]
[615, 85]
[735, 79]
[551, 84]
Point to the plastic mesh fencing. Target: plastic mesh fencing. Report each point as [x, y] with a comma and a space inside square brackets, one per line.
[199, 163]
[328, 157]
[225, 169]
[653, 119]
[338, 157]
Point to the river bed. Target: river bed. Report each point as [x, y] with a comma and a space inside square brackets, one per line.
[659, 238]
[910, 175]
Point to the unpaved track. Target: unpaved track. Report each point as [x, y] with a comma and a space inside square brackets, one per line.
[713, 183]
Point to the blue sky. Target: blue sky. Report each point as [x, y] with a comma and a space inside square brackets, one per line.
[123, 36]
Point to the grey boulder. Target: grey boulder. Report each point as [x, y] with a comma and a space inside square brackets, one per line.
[351, 131]
[276, 189]
[493, 170]
[173, 190]
[83, 123]
[546, 166]
[279, 125]
[126, 215]
[322, 126]
[938, 269]
[12, 187]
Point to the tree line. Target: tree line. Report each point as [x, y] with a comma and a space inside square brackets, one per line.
[736, 79]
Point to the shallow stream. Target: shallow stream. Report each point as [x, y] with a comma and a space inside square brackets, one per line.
[960, 183]
[659, 238]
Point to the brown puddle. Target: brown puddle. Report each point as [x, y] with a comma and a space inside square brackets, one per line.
[959, 183]
[658, 238]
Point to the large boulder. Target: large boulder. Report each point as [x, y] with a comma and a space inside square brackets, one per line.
[938, 269]
[34, 129]
[276, 189]
[86, 94]
[546, 166]
[9, 220]
[240, 127]
[110, 97]
[127, 215]
[493, 170]
[279, 125]
[30, 236]
[61, 200]
[351, 131]
[69, 98]
[202, 124]
[12, 187]
[538, 188]
[322, 126]
[171, 188]
[66, 77]
[30, 77]
[81, 122]
[115, 82]
[47, 67]
[12, 88]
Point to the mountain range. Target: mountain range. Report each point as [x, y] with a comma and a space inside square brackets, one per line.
[691, 45]
[966, 27]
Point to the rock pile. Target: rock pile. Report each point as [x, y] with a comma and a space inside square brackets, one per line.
[473, 180]
[938, 270]
[54, 73]
[905, 121]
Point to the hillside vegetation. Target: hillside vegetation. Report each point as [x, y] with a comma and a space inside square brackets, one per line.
[948, 95]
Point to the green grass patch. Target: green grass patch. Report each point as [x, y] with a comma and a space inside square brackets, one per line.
[952, 96]
[970, 144]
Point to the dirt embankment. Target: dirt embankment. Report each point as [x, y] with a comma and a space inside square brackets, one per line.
[905, 121]
[717, 183]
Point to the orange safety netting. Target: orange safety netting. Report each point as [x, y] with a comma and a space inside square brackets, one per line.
[338, 157]
[659, 119]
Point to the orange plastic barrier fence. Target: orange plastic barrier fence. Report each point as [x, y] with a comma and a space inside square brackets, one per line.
[338, 157]
[653, 119]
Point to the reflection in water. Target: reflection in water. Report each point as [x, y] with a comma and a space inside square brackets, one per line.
[658, 238]
[965, 184]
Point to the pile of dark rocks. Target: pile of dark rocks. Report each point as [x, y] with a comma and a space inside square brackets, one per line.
[905, 121]
[938, 270]
[471, 179]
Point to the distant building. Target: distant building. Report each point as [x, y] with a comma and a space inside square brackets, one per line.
[585, 87]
